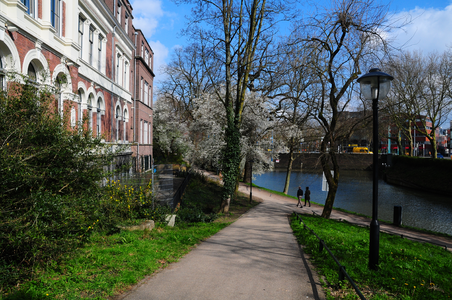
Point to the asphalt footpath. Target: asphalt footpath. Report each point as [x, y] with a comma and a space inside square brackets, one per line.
[256, 257]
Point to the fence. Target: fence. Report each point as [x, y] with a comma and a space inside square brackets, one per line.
[342, 273]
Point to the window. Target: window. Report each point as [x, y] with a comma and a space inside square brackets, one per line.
[150, 96]
[146, 90]
[118, 115]
[145, 132]
[117, 68]
[142, 90]
[31, 72]
[126, 67]
[99, 55]
[149, 132]
[146, 55]
[80, 95]
[126, 24]
[142, 49]
[91, 42]
[124, 125]
[141, 131]
[90, 112]
[31, 9]
[55, 9]
[98, 122]
[118, 14]
[81, 24]
[2, 75]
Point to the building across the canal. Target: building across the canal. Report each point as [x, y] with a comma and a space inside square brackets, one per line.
[106, 62]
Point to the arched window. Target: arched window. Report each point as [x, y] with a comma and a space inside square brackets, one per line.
[2, 74]
[98, 121]
[126, 119]
[81, 94]
[31, 73]
[90, 111]
[118, 116]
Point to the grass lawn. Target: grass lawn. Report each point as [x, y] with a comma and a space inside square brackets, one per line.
[407, 269]
[109, 265]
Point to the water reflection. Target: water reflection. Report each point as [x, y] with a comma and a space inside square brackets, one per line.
[419, 209]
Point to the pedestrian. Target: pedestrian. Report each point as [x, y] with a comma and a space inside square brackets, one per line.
[300, 196]
[307, 196]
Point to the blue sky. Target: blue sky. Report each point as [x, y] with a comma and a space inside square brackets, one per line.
[430, 28]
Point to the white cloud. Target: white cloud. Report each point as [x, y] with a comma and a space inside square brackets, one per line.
[429, 29]
[160, 55]
[147, 14]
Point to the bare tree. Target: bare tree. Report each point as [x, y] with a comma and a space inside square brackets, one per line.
[292, 88]
[420, 98]
[340, 38]
[435, 101]
[399, 105]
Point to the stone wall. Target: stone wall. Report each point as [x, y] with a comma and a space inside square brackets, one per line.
[311, 161]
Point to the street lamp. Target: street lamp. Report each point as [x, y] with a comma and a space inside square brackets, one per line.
[251, 179]
[375, 86]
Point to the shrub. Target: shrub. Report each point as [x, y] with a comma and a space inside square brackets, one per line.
[49, 175]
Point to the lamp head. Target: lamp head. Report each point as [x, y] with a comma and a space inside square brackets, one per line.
[375, 84]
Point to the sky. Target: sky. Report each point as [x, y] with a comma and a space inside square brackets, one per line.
[430, 28]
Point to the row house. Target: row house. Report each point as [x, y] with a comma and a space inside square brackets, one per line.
[90, 51]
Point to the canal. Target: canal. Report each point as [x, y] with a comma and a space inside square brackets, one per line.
[419, 209]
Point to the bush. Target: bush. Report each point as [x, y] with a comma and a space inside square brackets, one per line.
[49, 181]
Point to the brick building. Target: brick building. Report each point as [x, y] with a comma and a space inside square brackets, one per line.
[94, 47]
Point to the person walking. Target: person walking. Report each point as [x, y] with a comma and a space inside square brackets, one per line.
[300, 196]
[307, 196]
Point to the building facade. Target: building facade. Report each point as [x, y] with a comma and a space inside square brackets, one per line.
[87, 49]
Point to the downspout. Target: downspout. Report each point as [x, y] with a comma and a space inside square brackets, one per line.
[135, 99]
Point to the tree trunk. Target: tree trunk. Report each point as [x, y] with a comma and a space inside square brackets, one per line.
[289, 170]
[247, 175]
[225, 205]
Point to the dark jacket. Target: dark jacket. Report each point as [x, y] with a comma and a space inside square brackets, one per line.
[300, 193]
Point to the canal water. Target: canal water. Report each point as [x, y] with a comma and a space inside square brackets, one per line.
[419, 209]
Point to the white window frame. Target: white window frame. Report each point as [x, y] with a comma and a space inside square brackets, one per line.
[91, 44]
[81, 29]
[141, 131]
[55, 15]
[118, 13]
[146, 90]
[126, 23]
[99, 117]
[99, 52]
[145, 133]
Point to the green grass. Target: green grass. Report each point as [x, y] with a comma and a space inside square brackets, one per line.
[407, 269]
[108, 265]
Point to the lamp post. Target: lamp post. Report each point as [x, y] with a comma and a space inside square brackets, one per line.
[251, 179]
[375, 86]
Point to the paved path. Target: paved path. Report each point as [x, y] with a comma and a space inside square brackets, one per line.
[257, 257]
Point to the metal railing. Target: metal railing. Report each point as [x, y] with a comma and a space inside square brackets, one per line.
[177, 198]
[342, 273]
